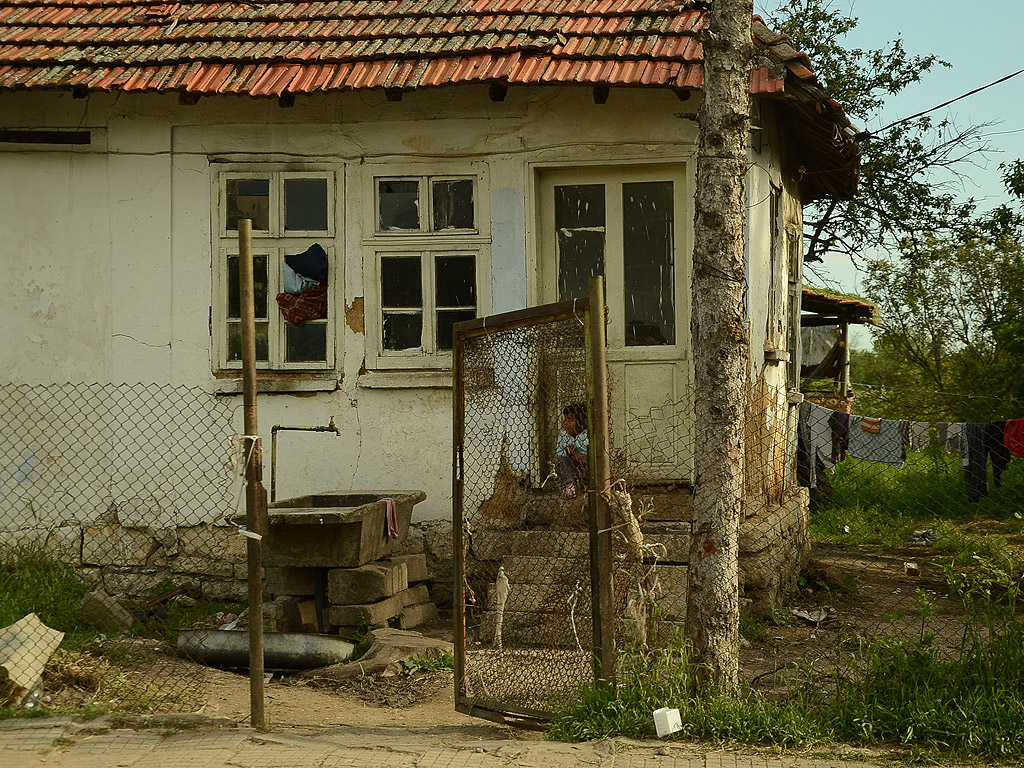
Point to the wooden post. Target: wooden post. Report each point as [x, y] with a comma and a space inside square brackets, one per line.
[459, 512]
[255, 494]
[602, 606]
[844, 360]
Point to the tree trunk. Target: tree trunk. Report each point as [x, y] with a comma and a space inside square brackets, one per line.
[721, 349]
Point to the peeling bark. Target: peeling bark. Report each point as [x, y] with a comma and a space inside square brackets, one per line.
[721, 349]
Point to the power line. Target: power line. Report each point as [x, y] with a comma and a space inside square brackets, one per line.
[868, 134]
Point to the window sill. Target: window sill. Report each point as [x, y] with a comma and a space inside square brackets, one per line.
[406, 379]
[279, 383]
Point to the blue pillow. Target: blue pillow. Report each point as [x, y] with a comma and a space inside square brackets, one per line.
[311, 263]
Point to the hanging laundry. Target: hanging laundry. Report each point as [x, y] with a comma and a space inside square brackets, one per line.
[1013, 437]
[984, 441]
[311, 263]
[840, 423]
[295, 283]
[310, 305]
[951, 437]
[920, 435]
[881, 441]
[806, 474]
[819, 431]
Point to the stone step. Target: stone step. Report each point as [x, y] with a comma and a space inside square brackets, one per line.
[377, 613]
[415, 615]
[367, 583]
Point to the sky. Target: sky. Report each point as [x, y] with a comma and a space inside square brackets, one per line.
[982, 41]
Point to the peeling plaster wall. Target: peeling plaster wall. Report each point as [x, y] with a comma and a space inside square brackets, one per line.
[108, 248]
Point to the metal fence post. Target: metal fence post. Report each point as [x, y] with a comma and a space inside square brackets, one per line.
[602, 606]
[255, 494]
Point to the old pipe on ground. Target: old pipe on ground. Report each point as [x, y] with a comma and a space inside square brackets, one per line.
[281, 650]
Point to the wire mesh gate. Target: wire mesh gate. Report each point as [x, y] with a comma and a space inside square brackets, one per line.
[523, 610]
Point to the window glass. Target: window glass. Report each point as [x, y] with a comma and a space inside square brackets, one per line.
[400, 284]
[456, 281]
[453, 204]
[259, 278]
[580, 225]
[647, 251]
[248, 199]
[305, 204]
[402, 330]
[398, 205]
[448, 318]
[235, 342]
[307, 344]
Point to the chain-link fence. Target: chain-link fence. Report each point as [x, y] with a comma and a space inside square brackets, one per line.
[114, 501]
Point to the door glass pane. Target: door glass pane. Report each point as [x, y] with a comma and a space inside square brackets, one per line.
[400, 284]
[307, 344]
[648, 263]
[456, 281]
[453, 204]
[398, 205]
[305, 204]
[248, 199]
[235, 342]
[580, 233]
[402, 330]
[445, 320]
[259, 279]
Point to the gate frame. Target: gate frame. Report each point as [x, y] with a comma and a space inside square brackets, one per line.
[600, 534]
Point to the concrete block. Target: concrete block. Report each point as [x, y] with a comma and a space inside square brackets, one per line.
[545, 570]
[290, 581]
[415, 566]
[367, 583]
[114, 545]
[497, 545]
[379, 612]
[414, 615]
[671, 595]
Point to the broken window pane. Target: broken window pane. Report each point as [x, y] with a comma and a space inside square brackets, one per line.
[456, 281]
[307, 344]
[402, 330]
[398, 205]
[400, 284]
[259, 278]
[453, 204]
[248, 199]
[305, 204]
[580, 229]
[448, 318]
[648, 263]
[235, 342]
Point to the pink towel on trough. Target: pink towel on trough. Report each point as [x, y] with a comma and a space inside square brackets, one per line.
[391, 514]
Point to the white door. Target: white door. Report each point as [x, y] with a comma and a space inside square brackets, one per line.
[631, 224]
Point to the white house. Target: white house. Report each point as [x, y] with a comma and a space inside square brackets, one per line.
[452, 158]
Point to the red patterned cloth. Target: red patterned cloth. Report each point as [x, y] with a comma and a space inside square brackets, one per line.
[311, 304]
[1013, 437]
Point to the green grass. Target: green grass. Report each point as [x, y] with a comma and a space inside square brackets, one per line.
[33, 580]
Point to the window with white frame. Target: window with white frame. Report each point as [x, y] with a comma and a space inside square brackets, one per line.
[425, 267]
[294, 228]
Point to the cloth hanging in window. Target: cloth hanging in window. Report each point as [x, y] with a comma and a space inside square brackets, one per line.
[295, 283]
[311, 304]
[311, 263]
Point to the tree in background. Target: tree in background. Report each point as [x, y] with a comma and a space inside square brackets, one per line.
[898, 199]
[954, 311]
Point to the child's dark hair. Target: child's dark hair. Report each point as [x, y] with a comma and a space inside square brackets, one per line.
[578, 411]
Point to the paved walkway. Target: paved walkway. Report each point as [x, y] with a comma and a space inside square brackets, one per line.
[62, 742]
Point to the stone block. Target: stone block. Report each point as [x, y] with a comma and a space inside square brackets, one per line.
[114, 545]
[415, 615]
[379, 612]
[212, 543]
[64, 542]
[497, 545]
[415, 566]
[135, 582]
[283, 615]
[307, 616]
[203, 567]
[231, 590]
[104, 613]
[673, 546]
[545, 570]
[367, 583]
[290, 581]
[671, 594]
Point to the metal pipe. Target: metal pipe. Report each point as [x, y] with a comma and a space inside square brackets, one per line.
[273, 447]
